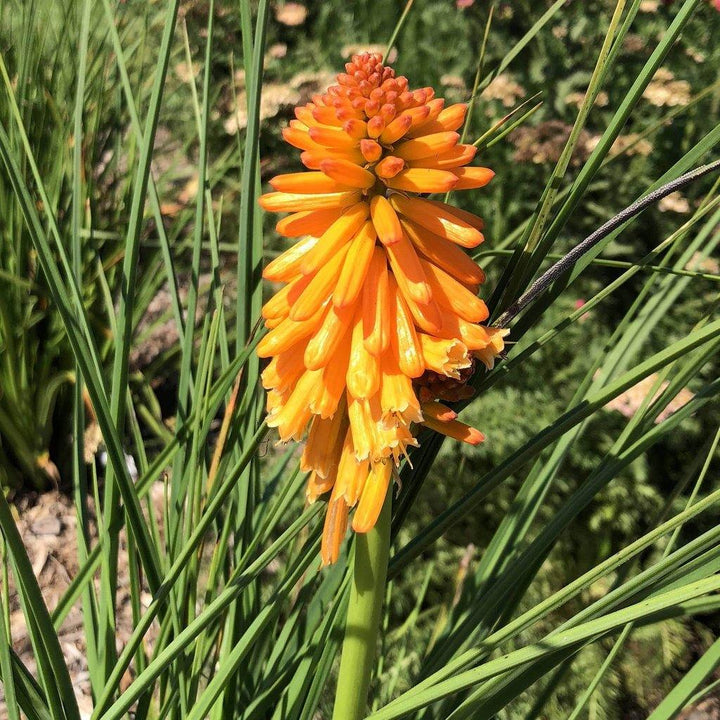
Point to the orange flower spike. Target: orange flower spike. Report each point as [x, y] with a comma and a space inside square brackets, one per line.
[379, 311]
[373, 497]
[385, 220]
[376, 306]
[335, 238]
[357, 262]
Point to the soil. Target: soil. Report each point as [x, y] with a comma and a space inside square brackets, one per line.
[47, 524]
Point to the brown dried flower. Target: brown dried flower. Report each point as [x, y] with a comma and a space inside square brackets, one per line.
[545, 142]
[664, 90]
[505, 89]
[291, 14]
[700, 263]
[577, 99]
[675, 202]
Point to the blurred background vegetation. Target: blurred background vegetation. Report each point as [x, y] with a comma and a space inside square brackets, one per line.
[440, 45]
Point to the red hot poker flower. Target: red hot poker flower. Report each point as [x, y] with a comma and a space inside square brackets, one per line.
[379, 319]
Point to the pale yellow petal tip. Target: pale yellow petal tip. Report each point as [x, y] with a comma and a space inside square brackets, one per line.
[488, 354]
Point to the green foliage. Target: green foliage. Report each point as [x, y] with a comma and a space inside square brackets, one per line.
[36, 360]
[567, 567]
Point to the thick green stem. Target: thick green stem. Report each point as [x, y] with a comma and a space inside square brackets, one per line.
[363, 617]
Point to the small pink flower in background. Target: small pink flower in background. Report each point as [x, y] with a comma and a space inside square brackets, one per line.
[580, 302]
[461, 4]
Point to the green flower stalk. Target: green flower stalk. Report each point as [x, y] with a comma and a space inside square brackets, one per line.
[363, 617]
